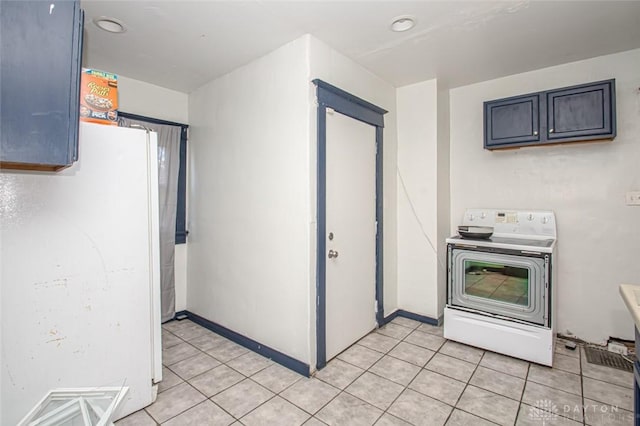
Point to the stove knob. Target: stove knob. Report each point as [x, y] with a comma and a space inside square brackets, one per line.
[483, 215]
[530, 217]
[471, 217]
[545, 219]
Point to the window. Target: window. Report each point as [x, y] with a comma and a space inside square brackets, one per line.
[181, 209]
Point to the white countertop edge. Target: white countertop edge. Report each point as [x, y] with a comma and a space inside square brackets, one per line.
[628, 293]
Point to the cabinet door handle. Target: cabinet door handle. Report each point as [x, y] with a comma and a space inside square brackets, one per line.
[535, 133]
[550, 130]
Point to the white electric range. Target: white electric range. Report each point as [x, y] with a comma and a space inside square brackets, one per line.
[501, 290]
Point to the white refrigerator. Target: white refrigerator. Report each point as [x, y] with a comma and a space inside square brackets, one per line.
[80, 274]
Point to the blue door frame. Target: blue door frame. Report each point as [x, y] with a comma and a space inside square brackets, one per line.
[347, 104]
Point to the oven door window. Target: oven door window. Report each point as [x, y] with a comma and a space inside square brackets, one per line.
[512, 286]
[497, 281]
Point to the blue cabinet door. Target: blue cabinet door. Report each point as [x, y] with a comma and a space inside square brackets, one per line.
[512, 121]
[40, 67]
[584, 112]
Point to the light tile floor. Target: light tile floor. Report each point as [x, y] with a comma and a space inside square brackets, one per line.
[405, 373]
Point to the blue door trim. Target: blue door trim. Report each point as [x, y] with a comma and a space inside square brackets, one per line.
[348, 104]
[321, 263]
[379, 231]
[345, 103]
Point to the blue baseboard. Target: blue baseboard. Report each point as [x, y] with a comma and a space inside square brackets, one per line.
[276, 356]
[411, 315]
[180, 314]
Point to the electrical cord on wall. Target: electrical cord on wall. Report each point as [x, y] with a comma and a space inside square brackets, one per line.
[415, 214]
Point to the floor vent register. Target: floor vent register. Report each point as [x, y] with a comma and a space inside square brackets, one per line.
[608, 359]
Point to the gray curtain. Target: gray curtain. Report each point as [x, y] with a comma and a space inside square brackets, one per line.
[168, 166]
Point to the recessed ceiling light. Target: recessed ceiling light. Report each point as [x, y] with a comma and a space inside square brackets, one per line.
[108, 24]
[403, 23]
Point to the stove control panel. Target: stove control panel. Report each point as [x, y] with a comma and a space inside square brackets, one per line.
[513, 222]
[507, 217]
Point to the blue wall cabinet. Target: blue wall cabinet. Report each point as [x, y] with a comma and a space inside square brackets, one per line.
[512, 121]
[572, 114]
[584, 112]
[40, 64]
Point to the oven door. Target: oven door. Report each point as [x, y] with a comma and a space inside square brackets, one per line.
[513, 286]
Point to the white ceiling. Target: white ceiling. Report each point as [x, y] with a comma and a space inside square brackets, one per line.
[184, 44]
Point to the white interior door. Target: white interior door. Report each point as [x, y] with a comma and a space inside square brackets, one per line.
[351, 231]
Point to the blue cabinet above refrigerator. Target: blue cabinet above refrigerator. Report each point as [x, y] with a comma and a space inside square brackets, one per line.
[40, 64]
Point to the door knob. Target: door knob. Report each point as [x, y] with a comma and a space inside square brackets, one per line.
[332, 254]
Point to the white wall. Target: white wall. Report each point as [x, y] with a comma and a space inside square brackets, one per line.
[417, 198]
[252, 250]
[248, 263]
[149, 100]
[340, 71]
[139, 97]
[585, 184]
[423, 197]
[444, 192]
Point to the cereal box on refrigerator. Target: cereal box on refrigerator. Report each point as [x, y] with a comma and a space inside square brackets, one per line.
[99, 97]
